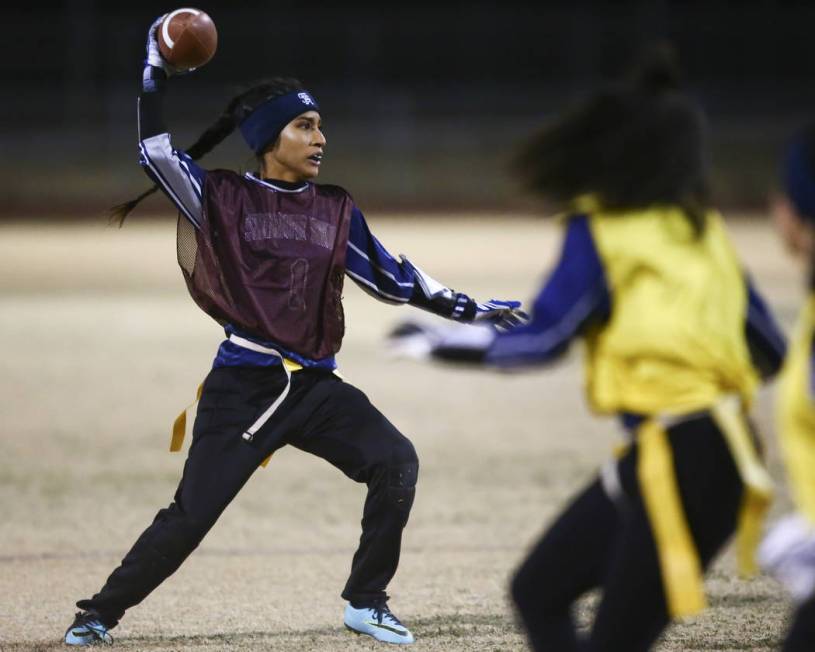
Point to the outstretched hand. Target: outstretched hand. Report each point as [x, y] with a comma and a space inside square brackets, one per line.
[446, 342]
[504, 315]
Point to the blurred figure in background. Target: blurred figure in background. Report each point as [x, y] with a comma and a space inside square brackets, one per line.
[788, 551]
[677, 340]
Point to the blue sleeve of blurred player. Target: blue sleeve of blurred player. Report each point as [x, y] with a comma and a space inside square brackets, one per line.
[398, 281]
[575, 294]
[178, 176]
[765, 339]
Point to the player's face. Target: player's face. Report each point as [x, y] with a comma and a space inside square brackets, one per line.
[796, 233]
[298, 152]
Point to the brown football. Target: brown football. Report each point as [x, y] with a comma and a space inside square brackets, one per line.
[187, 38]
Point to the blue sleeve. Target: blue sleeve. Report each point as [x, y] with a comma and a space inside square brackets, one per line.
[575, 294]
[765, 339]
[178, 176]
[370, 265]
[398, 281]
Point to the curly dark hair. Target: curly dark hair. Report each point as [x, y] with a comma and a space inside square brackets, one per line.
[638, 142]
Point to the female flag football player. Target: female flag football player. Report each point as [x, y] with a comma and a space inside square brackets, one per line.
[676, 341]
[788, 551]
[265, 255]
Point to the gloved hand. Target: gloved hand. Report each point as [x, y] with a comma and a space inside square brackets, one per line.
[504, 315]
[154, 57]
[788, 554]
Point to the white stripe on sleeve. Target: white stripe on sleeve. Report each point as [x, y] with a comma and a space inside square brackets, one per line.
[379, 268]
[173, 175]
[374, 290]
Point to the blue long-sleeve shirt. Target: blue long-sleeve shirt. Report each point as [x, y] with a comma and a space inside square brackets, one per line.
[575, 295]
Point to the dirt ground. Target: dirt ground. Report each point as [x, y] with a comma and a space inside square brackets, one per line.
[101, 347]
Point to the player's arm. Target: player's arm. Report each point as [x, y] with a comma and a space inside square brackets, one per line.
[574, 296]
[765, 339]
[398, 281]
[178, 176]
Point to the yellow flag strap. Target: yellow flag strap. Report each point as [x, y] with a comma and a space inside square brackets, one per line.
[180, 424]
[179, 430]
[678, 557]
[758, 486]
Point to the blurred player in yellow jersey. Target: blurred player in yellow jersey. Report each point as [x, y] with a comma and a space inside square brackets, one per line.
[789, 549]
[676, 339]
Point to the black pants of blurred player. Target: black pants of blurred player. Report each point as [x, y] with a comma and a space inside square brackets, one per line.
[321, 415]
[602, 543]
[801, 636]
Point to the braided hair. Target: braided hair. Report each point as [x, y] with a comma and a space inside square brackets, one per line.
[636, 143]
[238, 108]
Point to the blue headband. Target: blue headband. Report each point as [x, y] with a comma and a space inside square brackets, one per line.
[799, 182]
[264, 124]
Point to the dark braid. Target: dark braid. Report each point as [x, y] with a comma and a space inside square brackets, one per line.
[238, 108]
[633, 144]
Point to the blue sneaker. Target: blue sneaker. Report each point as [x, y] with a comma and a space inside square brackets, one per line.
[87, 629]
[377, 622]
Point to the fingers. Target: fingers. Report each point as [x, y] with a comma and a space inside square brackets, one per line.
[154, 57]
[498, 304]
[513, 318]
[506, 320]
[503, 315]
[152, 32]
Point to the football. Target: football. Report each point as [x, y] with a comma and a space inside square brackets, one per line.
[187, 38]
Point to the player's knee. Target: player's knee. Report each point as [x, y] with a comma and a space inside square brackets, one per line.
[403, 452]
[403, 472]
[402, 485]
[389, 452]
[391, 471]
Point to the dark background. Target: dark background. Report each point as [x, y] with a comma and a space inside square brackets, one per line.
[423, 103]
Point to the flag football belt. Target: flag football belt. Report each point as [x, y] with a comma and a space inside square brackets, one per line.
[680, 566]
[289, 366]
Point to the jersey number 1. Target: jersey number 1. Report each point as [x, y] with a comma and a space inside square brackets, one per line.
[297, 288]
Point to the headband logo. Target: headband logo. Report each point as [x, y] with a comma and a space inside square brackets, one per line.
[305, 98]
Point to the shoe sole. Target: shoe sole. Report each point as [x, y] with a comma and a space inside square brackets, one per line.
[378, 640]
[87, 640]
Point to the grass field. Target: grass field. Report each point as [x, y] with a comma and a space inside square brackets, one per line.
[101, 347]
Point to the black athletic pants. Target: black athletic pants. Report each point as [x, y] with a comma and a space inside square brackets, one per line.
[801, 637]
[321, 415]
[597, 542]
